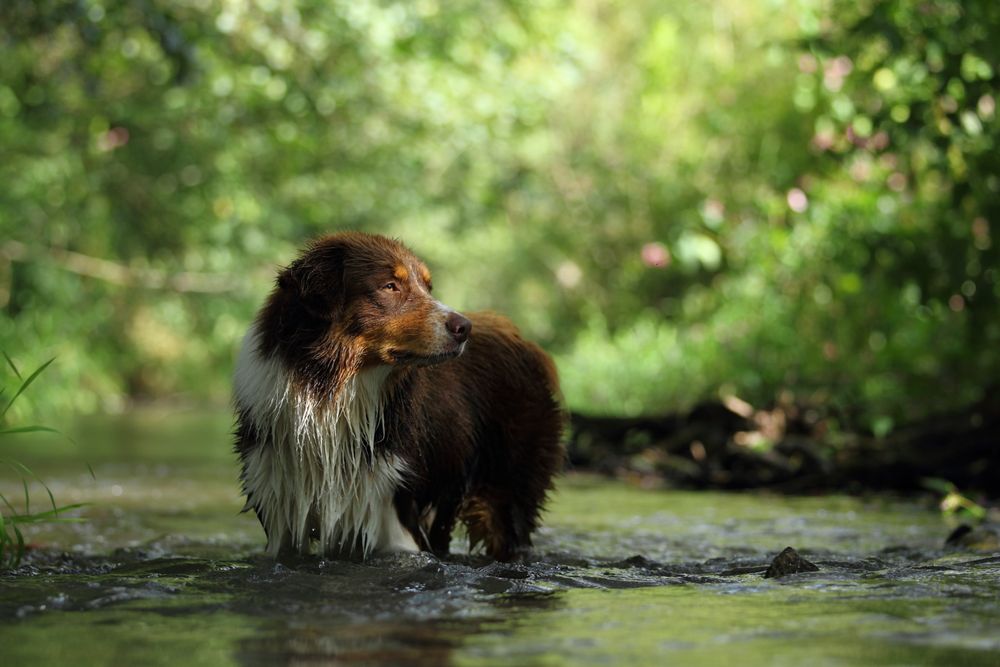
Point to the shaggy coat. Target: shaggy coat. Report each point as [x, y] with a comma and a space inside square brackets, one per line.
[371, 418]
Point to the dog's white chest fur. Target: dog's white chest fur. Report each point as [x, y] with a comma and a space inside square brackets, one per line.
[315, 465]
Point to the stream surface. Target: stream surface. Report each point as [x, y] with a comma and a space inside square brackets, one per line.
[165, 571]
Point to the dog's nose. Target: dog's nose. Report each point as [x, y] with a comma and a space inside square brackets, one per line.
[458, 326]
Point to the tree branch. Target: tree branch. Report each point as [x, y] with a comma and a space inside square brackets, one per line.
[121, 274]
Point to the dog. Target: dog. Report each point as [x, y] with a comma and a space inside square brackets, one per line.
[370, 418]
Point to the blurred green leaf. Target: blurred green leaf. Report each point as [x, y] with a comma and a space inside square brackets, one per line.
[671, 198]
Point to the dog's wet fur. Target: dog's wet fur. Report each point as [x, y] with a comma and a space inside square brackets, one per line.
[372, 418]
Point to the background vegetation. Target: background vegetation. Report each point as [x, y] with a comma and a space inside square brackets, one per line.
[676, 199]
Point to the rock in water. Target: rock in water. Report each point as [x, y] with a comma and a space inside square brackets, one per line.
[985, 537]
[788, 562]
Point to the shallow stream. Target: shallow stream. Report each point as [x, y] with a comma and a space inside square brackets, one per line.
[164, 571]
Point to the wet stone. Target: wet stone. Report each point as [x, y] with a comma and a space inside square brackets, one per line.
[788, 562]
[985, 537]
[739, 571]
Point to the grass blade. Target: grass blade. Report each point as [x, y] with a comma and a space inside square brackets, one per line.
[17, 466]
[13, 511]
[50, 516]
[26, 384]
[19, 552]
[25, 471]
[12, 543]
[12, 366]
[27, 429]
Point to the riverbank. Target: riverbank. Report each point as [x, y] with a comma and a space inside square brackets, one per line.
[789, 447]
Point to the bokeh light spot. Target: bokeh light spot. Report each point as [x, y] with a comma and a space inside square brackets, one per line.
[797, 200]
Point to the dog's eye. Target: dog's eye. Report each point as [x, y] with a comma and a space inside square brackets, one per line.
[390, 287]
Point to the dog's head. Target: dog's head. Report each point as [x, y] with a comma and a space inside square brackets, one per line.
[371, 295]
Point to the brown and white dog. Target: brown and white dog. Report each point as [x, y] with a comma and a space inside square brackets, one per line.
[370, 417]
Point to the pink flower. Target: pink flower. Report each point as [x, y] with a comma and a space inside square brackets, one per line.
[656, 255]
[797, 200]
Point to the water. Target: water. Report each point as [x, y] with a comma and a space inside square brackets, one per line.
[165, 571]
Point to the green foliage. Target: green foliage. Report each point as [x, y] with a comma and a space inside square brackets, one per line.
[12, 544]
[676, 199]
[859, 266]
[954, 502]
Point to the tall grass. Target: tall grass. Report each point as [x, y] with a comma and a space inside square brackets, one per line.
[12, 519]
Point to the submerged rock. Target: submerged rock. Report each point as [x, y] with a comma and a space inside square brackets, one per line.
[788, 562]
[985, 537]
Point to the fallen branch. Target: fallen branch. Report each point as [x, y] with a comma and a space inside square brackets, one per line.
[720, 445]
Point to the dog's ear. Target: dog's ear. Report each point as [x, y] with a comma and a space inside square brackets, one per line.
[315, 281]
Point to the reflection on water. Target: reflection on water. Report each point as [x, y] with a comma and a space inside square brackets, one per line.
[165, 571]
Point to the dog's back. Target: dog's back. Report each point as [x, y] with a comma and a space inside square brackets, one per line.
[496, 442]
